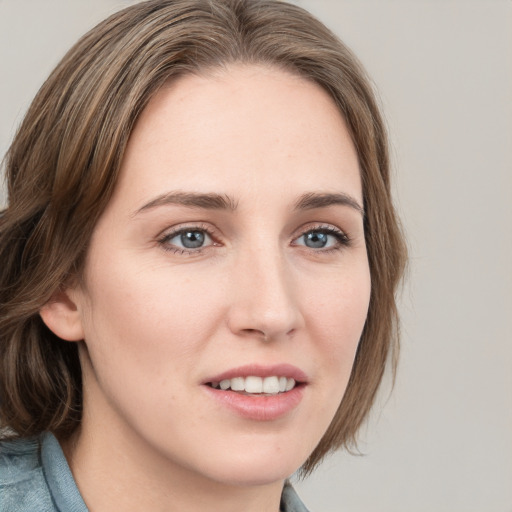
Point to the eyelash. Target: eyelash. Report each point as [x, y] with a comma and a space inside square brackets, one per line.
[341, 237]
[163, 240]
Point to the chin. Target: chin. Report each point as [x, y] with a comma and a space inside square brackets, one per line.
[255, 467]
[255, 475]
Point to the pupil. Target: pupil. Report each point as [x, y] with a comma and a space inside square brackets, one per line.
[316, 240]
[192, 239]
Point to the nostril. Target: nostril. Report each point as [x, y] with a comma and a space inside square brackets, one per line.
[262, 334]
[257, 332]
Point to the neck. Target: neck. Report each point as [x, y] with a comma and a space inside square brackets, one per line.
[117, 472]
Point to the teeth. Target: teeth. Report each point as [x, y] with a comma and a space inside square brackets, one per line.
[238, 384]
[256, 385]
[271, 385]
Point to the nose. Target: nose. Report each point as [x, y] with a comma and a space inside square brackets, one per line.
[264, 300]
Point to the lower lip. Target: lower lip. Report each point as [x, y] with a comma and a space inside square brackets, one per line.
[258, 408]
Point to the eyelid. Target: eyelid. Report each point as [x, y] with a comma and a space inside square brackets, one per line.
[319, 226]
[184, 226]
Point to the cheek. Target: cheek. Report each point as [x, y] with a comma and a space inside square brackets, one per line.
[149, 318]
[339, 307]
[145, 336]
[336, 318]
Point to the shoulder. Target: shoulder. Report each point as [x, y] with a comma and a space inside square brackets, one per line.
[17, 459]
[290, 501]
[22, 483]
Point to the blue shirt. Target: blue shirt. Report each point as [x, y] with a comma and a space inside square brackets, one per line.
[35, 477]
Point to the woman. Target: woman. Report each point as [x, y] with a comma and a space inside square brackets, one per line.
[199, 260]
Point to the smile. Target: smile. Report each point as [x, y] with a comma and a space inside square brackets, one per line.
[254, 385]
[258, 392]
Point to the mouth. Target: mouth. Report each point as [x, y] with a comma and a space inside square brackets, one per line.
[258, 392]
[254, 385]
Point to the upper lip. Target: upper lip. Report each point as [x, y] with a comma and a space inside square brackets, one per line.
[257, 370]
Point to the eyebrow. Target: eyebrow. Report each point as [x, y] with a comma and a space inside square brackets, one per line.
[191, 200]
[322, 200]
[211, 201]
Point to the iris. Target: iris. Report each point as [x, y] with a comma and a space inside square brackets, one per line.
[192, 239]
[316, 239]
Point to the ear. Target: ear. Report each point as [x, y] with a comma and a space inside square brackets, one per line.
[62, 316]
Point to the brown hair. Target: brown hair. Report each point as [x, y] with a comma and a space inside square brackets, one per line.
[64, 163]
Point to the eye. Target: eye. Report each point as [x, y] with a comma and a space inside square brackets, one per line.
[323, 238]
[186, 240]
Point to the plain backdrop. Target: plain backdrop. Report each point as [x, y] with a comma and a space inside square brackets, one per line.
[442, 441]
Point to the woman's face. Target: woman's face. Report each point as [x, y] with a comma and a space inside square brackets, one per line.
[232, 253]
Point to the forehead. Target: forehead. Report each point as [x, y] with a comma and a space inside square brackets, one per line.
[237, 130]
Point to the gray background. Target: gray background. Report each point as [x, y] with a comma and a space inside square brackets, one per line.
[442, 441]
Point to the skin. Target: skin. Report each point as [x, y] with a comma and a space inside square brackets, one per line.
[153, 322]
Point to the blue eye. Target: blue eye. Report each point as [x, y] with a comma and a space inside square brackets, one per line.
[316, 240]
[325, 238]
[192, 239]
[187, 239]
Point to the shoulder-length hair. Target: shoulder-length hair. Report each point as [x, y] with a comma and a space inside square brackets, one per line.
[64, 164]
